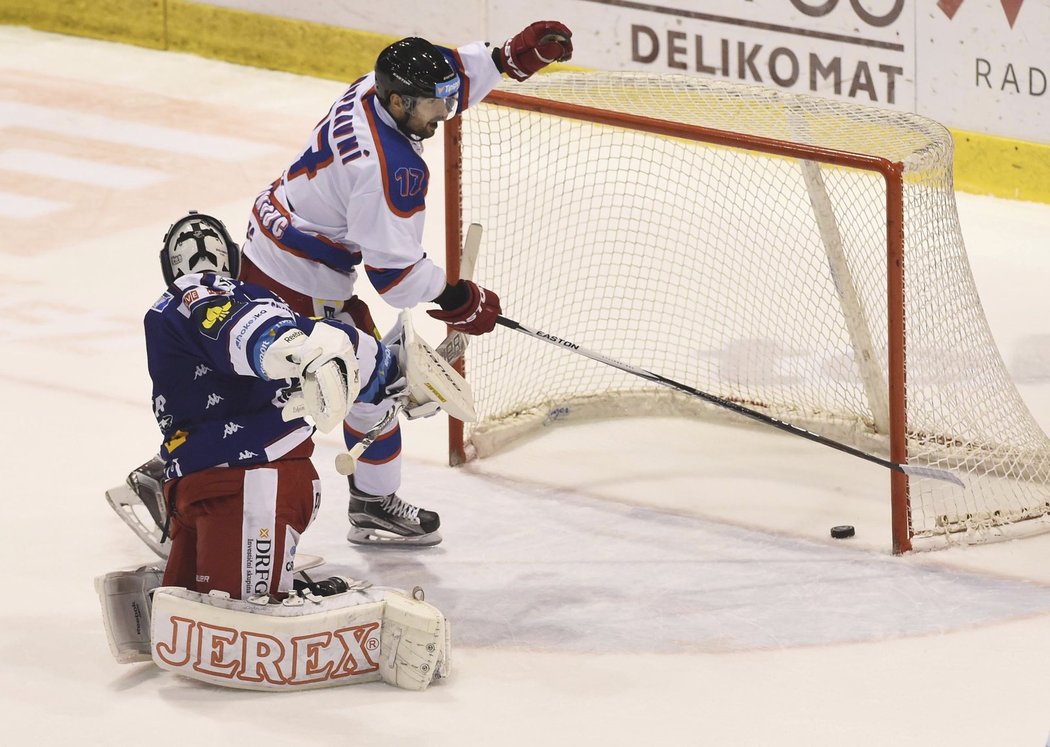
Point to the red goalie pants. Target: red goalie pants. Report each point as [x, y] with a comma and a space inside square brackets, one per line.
[235, 529]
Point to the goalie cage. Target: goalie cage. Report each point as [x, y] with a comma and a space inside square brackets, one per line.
[798, 255]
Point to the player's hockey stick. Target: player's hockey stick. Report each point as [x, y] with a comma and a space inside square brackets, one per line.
[914, 471]
[453, 346]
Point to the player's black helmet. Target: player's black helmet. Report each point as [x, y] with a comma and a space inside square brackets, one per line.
[414, 67]
[198, 243]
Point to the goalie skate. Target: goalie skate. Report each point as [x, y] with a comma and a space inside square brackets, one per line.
[388, 521]
[139, 502]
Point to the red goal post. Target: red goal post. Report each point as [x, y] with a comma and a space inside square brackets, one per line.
[802, 218]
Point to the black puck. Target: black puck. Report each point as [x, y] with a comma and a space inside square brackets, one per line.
[843, 531]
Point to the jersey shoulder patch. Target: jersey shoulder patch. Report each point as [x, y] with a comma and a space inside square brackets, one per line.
[162, 303]
[406, 177]
[211, 315]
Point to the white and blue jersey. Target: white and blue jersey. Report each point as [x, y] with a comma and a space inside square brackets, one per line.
[354, 199]
[205, 340]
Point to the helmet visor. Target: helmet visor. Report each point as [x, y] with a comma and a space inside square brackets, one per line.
[428, 108]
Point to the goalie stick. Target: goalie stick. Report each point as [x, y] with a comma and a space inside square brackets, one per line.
[907, 469]
[453, 346]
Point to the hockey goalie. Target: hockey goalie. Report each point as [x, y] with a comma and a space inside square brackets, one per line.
[240, 383]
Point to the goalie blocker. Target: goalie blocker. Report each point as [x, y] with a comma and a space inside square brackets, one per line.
[361, 633]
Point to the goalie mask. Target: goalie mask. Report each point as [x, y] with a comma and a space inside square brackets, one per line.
[198, 243]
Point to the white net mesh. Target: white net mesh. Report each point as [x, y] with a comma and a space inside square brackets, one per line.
[760, 279]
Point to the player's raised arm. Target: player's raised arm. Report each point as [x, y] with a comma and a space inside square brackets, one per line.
[533, 48]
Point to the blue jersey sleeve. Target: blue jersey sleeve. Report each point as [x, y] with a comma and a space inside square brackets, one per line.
[205, 338]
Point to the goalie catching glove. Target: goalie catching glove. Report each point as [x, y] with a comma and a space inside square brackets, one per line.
[535, 47]
[467, 307]
[325, 364]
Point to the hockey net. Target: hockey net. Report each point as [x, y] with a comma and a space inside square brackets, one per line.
[797, 255]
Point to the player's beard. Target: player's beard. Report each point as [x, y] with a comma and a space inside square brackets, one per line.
[417, 131]
[427, 129]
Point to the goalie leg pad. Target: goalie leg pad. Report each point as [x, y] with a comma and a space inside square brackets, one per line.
[302, 643]
[416, 643]
[362, 635]
[126, 611]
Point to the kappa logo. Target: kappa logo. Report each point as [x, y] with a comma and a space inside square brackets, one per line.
[247, 454]
[213, 399]
[1010, 8]
[230, 428]
[200, 370]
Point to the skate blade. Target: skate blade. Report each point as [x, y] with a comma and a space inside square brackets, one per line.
[381, 538]
[131, 510]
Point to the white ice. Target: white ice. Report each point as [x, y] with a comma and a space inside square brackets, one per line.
[638, 582]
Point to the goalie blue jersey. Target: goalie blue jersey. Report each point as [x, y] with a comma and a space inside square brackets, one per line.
[205, 338]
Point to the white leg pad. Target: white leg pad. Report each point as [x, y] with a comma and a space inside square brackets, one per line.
[363, 635]
[124, 596]
[416, 643]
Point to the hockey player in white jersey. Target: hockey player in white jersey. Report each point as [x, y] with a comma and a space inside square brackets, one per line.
[353, 201]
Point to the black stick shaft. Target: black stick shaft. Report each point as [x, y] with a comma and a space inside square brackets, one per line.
[937, 474]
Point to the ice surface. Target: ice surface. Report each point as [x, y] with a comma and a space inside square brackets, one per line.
[639, 582]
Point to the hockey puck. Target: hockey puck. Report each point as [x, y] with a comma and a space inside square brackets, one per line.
[843, 531]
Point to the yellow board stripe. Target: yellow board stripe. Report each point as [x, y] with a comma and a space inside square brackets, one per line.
[984, 164]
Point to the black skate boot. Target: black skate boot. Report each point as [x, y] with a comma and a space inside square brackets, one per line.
[386, 520]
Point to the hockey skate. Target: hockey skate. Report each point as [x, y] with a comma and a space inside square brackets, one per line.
[388, 521]
[139, 502]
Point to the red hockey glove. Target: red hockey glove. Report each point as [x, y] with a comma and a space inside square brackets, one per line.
[539, 45]
[475, 316]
